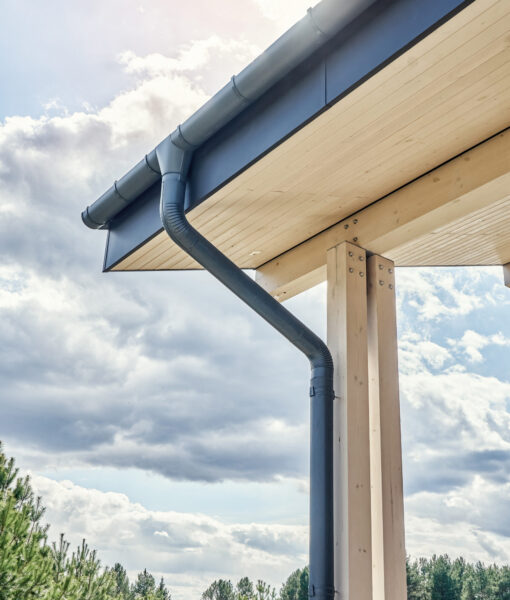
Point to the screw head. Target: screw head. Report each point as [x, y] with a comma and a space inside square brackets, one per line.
[381, 267]
[390, 270]
[351, 270]
[346, 226]
[390, 286]
[355, 221]
[350, 253]
[381, 282]
[361, 258]
[355, 239]
[361, 274]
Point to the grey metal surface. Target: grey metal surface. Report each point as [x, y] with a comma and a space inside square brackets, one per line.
[294, 46]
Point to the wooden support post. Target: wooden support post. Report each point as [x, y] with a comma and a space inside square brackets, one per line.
[506, 274]
[347, 340]
[388, 540]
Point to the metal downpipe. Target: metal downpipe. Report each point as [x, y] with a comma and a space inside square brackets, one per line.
[321, 385]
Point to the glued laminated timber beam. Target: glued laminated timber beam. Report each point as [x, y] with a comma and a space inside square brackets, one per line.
[457, 214]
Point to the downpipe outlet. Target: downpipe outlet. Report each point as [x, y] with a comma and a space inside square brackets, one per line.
[173, 188]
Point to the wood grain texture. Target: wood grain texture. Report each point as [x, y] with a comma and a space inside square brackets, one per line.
[387, 494]
[441, 97]
[347, 341]
[458, 214]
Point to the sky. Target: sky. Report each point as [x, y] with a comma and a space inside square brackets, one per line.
[159, 418]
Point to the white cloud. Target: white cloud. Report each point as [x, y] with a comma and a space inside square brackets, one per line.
[190, 58]
[476, 512]
[139, 371]
[189, 550]
[428, 536]
[436, 293]
[284, 12]
[416, 353]
[125, 375]
[472, 342]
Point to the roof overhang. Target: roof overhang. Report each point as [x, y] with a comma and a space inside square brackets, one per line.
[407, 87]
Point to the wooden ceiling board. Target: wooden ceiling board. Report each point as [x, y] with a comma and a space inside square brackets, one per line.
[443, 96]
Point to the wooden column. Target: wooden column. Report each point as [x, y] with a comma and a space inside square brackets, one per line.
[347, 340]
[506, 274]
[388, 543]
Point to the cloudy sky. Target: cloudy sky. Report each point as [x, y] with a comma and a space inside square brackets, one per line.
[209, 479]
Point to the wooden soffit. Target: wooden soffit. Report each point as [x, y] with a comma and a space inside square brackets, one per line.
[445, 95]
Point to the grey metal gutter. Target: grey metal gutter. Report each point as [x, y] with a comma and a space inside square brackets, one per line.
[170, 161]
[320, 24]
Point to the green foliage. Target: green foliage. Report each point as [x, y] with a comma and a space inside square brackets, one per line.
[33, 569]
[244, 590]
[220, 590]
[264, 591]
[30, 568]
[121, 588]
[25, 560]
[440, 578]
[296, 586]
[145, 588]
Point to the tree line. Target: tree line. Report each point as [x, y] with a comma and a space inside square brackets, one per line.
[441, 578]
[32, 568]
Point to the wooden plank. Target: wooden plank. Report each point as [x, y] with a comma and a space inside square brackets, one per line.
[347, 340]
[506, 274]
[387, 494]
[481, 238]
[475, 180]
[445, 94]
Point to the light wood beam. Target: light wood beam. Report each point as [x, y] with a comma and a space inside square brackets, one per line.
[476, 179]
[506, 274]
[388, 539]
[347, 340]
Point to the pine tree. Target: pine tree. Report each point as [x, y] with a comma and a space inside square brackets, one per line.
[121, 588]
[162, 592]
[219, 590]
[25, 563]
[442, 586]
[144, 586]
[264, 591]
[244, 589]
[29, 567]
[415, 581]
[502, 585]
[79, 576]
[304, 579]
[468, 588]
[291, 588]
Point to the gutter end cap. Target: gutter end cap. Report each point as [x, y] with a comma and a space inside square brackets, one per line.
[89, 222]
